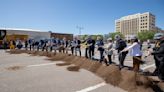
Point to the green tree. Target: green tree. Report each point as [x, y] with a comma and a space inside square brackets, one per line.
[112, 35]
[83, 37]
[145, 35]
[95, 36]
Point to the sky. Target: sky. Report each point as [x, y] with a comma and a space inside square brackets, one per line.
[63, 16]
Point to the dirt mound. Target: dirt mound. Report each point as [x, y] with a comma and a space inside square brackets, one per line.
[31, 52]
[14, 68]
[16, 51]
[68, 58]
[128, 80]
[34, 53]
[86, 64]
[74, 59]
[79, 61]
[42, 53]
[63, 64]
[102, 71]
[50, 54]
[94, 66]
[134, 82]
[58, 57]
[112, 75]
[73, 68]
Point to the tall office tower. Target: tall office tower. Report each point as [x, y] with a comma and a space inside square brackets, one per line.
[132, 24]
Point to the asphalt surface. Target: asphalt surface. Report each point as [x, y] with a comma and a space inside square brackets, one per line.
[25, 73]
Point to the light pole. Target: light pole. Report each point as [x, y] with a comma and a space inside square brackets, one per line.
[79, 28]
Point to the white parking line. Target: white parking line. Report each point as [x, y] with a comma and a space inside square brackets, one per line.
[41, 64]
[92, 87]
[148, 66]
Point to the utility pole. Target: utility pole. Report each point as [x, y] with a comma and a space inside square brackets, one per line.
[79, 28]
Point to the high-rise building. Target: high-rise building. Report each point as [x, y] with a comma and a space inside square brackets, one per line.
[132, 24]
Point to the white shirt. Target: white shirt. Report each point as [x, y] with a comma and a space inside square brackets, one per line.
[134, 49]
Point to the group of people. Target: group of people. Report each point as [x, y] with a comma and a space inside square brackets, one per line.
[106, 50]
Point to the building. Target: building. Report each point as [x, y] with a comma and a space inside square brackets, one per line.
[132, 24]
[23, 34]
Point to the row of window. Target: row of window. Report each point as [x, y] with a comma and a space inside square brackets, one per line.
[143, 17]
[144, 27]
[143, 23]
[143, 20]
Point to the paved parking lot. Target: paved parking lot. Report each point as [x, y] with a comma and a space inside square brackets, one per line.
[25, 73]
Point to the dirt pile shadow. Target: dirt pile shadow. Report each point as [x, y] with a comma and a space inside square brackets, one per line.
[125, 79]
[14, 68]
[73, 68]
[63, 64]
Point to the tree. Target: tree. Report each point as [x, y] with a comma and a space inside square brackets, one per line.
[145, 35]
[83, 37]
[112, 35]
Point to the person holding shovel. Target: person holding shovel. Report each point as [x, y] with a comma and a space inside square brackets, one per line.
[100, 46]
[135, 52]
[158, 53]
[120, 45]
[109, 51]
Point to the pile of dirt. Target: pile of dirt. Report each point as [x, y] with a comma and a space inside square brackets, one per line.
[58, 57]
[16, 51]
[28, 52]
[79, 61]
[109, 73]
[94, 66]
[128, 78]
[42, 53]
[50, 54]
[86, 64]
[74, 59]
[102, 71]
[68, 58]
[73, 68]
[34, 53]
[14, 68]
[133, 82]
[31, 52]
[63, 64]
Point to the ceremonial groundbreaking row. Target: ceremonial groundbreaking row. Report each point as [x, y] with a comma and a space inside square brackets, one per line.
[125, 78]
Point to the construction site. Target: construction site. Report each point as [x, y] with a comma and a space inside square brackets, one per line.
[45, 71]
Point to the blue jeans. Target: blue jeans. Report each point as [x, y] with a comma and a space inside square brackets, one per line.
[101, 55]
